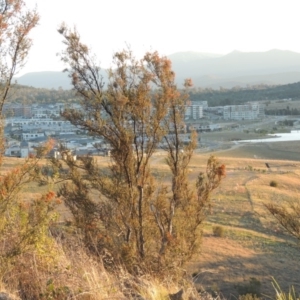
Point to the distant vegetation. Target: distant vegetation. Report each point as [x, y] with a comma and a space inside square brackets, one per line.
[233, 96]
[28, 95]
[239, 95]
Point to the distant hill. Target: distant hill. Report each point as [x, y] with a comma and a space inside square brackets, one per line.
[187, 60]
[240, 68]
[208, 70]
[48, 79]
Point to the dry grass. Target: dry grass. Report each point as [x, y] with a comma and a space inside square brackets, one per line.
[266, 151]
[73, 274]
[253, 244]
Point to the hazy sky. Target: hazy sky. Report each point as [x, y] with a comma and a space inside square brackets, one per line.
[168, 26]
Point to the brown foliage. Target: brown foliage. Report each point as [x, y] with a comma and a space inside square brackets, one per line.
[15, 26]
[287, 217]
[124, 208]
[23, 222]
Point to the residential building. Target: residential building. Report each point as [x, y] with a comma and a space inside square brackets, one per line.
[194, 112]
[205, 128]
[243, 112]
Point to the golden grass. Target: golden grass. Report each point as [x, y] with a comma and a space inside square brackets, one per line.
[253, 246]
[73, 274]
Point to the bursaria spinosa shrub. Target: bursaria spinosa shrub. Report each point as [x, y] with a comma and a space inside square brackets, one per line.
[124, 208]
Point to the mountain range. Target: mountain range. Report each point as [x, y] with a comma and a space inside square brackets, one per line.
[237, 68]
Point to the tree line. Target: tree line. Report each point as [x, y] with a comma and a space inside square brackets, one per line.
[238, 95]
[28, 95]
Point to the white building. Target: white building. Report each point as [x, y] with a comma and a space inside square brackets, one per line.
[208, 127]
[243, 112]
[47, 111]
[194, 112]
[27, 136]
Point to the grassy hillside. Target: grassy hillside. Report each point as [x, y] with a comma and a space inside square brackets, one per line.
[253, 245]
[249, 251]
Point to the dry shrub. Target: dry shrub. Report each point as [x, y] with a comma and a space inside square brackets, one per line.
[218, 231]
[250, 290]
[273, 183]
[144, 222]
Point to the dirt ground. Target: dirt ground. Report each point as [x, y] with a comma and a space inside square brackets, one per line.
[225, 264]
[254, 245]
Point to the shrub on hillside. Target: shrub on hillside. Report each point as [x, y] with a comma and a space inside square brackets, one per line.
[248, 297]
[250, 289]
[218, 231]
[145, 222]
[273, 183]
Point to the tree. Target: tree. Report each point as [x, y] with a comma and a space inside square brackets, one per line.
[22, 225]
[124, 208]
[15, 25]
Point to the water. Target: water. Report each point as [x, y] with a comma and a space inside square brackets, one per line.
[294, 135]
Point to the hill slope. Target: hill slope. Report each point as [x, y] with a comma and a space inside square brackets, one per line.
[208, 70]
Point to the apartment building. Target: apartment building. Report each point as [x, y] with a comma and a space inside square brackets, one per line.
[194, 112]
[243, 112]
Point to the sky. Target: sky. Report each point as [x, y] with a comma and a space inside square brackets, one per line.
[166, 26]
